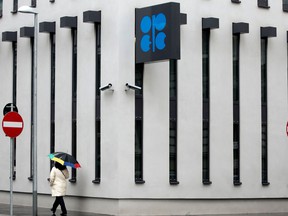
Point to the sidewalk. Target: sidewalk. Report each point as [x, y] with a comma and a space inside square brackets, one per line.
[27, 211]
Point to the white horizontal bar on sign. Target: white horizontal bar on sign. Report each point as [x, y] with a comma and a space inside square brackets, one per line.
[12, 124]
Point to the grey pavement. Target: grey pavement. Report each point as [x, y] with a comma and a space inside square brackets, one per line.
[252, 214]
[248, 214]
[27, 211]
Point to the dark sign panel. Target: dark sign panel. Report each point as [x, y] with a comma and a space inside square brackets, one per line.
[10, 107]
[158, 32]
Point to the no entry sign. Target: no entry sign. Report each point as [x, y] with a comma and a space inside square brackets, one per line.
[12, 124]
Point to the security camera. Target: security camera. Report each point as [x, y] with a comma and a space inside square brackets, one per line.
[107, 87]
[128, 86]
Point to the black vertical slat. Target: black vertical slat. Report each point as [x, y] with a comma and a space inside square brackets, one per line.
[206, 104]
[15, 6]
[138, 106]
[263, 3]
[236, 112]
[33, 3]
[206, 154]
[14, 98]
[32, 110]
[74, 100]
[49, 27]
[94, 17]
[139, 176]
[236, 102]
[285, 6]
[264, 44]
[52, 95]
[1, 8]
[205, 110]
[98, 106]
[14, 94]
[173, 122]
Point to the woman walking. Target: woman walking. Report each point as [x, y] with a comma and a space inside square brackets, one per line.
[58, 176]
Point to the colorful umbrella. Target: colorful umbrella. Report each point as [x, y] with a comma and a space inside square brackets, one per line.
[64, 159]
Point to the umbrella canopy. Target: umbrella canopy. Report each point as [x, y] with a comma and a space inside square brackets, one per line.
[64, 159]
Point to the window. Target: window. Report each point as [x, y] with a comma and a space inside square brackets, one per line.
[236, 154]
[139, 71]
[52, 95]
[15, 6]
[236, 1]
[94, 17]
[98, 105]
[236, 113]
[14, 51]
[285, 5]
[173, 123]
[32, 110]
[138, 151]
[266, 32]
[206, 158]
[49, 27]
[14, 97]
[238, 29]
[264, 155]
[264, 71]
[33, 3]
[173, 152]
[205, 63]
[236, 43]
[1, 8]
[28, 32]
[97, 152]
[12, 37]
[206, 109]
[71, 23]
[74, 99]
[263, 4]
[264, 42]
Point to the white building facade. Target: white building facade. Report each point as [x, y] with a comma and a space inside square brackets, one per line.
[205, 135]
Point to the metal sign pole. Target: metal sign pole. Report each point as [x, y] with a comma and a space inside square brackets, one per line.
[32, 10]
[12, 125]
[11, 171]
[35, 179]
[11, 176]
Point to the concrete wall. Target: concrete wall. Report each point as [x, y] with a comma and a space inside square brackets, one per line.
[117, 108]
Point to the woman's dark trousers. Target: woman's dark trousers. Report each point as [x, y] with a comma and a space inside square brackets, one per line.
[59, 201]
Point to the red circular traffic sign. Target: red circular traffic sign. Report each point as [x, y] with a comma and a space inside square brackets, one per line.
[12, 124]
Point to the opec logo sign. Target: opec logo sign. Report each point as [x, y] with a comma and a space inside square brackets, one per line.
[153, 25]
[158, 32]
